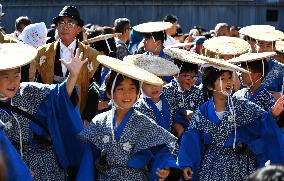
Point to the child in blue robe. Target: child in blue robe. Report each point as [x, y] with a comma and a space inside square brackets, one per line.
[124, 144]
[183, 91]
[212, 148]
[41, 121]
[152, 102]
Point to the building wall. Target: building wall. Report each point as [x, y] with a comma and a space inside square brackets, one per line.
[205, 13]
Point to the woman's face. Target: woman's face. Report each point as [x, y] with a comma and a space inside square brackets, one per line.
[150, 45]
[264, 46]
[125, 94]
[226, 83]
[187, 79]
[10, 82]
[152, 91]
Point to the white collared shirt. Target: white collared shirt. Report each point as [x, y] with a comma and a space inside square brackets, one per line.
[65, 54]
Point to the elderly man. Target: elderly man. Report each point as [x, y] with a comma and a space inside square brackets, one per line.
[48, 65]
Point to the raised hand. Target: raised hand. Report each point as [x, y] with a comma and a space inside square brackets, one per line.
[76, 63]
[278, 107]
[187, 173]
[163, 173]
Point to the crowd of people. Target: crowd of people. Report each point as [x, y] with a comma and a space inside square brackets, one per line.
[149, 102]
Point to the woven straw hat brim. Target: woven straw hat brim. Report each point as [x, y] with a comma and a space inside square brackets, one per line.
[248, 29]
[218, 63]
[152, 27]
[224, 45]
[177, 45]
[100, 37]
[279, 46]
[266, 34]
[129, 70]
[182, 55]
[249, 57]
[156, 65]
[14, 55]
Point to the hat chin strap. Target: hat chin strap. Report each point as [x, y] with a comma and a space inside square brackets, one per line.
[3, 97]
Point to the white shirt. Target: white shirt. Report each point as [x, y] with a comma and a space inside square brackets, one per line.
[170, 41]
[65, 54]
[220, 114]
[159, 105]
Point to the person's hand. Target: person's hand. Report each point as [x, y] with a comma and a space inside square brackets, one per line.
[76, 63]
[187, 173]
[102, 105]
[179, 129]
[278, 107]
[163, 173]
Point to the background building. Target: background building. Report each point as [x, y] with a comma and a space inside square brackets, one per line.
[205, 13]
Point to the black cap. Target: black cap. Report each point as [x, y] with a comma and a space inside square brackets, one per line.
[70, 12]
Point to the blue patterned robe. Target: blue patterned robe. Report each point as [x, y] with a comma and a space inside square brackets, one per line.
[273, 81]
[260, 97]
[207, 146]
[134, 144]
[52, 106]
[15, 168]
[184, 100]
[163, 118]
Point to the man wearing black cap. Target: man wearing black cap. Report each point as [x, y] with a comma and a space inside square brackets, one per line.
[48, 65]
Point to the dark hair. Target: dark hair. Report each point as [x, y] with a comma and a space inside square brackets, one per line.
[209, 77]
[234, 28]
[170, 18]
[121, 24]
[110, 78]
[102, 45]
[268, 173]
[161, 35]
[22, 20]
[256, 66]
[185, 66]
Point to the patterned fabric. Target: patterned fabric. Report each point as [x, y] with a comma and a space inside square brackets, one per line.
[40, 158]
[139, 133]
[260, 97]
[276, 72]
[231, 165]
[145, 108]
[121, 49]
[189, 100]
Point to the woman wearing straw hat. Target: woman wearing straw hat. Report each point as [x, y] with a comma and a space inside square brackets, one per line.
[36, 115]
[212, 148]
[127, 145]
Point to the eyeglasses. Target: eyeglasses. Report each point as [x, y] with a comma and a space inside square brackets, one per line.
[68, 24]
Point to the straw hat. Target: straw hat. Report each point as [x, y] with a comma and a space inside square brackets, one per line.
[263, 33]
[14, 55]
[182, 55]
[249, 57]
[279, 46]
[129, 70]
[224, 45]
[100, 37]
[153, 64]
[217, 63]
[177, 45]
[248, 29]
[151, 27]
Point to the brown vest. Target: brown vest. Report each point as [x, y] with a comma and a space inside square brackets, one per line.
[45, 65]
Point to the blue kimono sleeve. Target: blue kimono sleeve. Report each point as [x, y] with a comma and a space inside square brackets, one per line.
[181, 119]
[190, 153]
[162, 159]
[87, 171]
[16, 169]
[64, 124]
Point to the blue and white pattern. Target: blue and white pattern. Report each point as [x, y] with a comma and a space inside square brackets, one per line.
[139, 133]
[274, 79]
[143, 107]
[220, 154]
[260, 97]
[40, 158]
